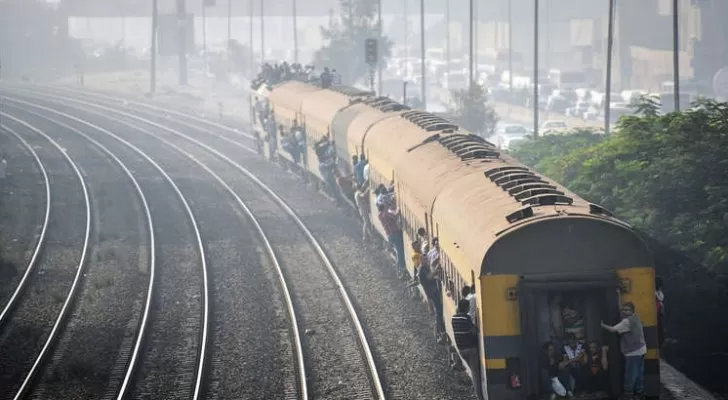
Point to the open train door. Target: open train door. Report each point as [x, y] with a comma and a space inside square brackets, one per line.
[599, 301]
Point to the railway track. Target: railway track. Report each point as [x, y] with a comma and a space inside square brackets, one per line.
[35, 315]
[338, 366]
[116, 299]
[180, 341]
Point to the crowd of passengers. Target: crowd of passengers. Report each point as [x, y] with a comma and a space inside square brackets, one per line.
[272, 74]
[572, 363]
[294, 140]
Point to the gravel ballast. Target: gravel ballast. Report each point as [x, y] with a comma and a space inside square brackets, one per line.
[48, 287]
[22, 210]
[251, 349]
[89, 360]
[412, 364]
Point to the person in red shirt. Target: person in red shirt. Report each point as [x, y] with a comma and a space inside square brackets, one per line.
[390, 223]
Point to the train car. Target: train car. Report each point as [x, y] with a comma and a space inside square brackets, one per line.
[285, 102]
[527, 244]
[319, 110]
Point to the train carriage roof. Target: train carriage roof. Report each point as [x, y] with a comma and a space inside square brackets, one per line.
[321, 107]
[291, 94]
[369, 113]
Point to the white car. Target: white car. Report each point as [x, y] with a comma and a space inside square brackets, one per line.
[553, 127]
[508, 134]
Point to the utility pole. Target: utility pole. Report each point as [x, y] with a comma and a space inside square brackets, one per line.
[608, 85]
[535, 69]
[262, 33]
[182, 20]
[406, 35]
[424, 54]
[676, 52]
[251, 51]
[510, 48]
[471, 43]
[380, 27]
[204, 34]
[295, 32]
[229, 23]
[153, 56]
[447, 36]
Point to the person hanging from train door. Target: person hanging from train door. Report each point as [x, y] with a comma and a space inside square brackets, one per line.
[433, 260]
[359, 169]
[390, 222]
[361, 198]
[466, 341]
[633, 346]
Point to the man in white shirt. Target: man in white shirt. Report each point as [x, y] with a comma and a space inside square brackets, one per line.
[633, 346]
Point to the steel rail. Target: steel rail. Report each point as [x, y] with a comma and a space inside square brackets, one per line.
[73, 291]
[374, 375]
[144, 320]
[198, 236]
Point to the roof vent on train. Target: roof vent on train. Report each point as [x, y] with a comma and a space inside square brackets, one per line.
[350, 91]
[527, 187]
[521, 213]
[429, 122]
[469, 147]
[599, 210]
[385, 104]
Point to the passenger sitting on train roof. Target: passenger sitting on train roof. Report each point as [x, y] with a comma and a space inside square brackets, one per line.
[390, 222]
[466, 340]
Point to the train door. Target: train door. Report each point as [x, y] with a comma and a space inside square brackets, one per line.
[579, 306]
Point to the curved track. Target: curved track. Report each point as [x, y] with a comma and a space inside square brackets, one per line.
[26, 345]
[196, 325]
[117, 290]
[341, 368]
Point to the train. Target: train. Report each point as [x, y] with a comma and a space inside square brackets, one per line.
[525, 243]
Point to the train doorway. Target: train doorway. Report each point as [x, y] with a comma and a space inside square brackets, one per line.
[555, 312]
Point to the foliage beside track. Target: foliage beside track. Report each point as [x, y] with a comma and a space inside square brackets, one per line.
[667, 175]
[344, 40]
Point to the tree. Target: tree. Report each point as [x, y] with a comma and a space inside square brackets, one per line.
[344, 40]
[473, 112]
[665, 175]
[647, 105]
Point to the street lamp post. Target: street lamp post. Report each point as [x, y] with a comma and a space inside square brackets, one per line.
[424, 54]
[251, 51]
[204, 34]
[535, 69]
[608, 84]
[295, 32]
[182, 21]
[380, 64]
[262, 33]
[676, 53]
[447, 36]
[471, 46]
[230, 22]
[406, 37]
[153, 49]
[510, 48]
